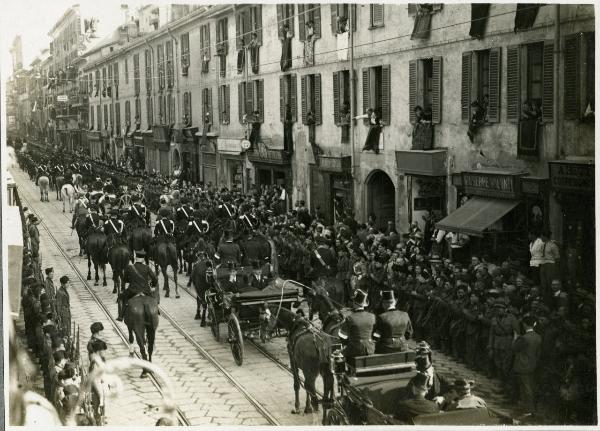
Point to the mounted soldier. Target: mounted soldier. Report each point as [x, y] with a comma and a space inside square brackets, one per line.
[81, 209]
[228, 251]
[109, 199]
[114, 228]
[97, 191]
[126, 198]
[142, 281]
[139, 214]
[164, 227]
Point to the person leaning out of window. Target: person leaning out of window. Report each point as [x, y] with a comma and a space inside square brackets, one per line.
[478, 116]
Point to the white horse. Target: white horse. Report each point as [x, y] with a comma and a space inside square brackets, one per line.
[77, 180]
[67, 191]
[44, 184]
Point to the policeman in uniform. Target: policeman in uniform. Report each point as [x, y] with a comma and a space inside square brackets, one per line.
[393, 326]
[114, 228]
[184, 212]
[164, 225]
[139, 214]
[141, 279]
[324, 261]
[93, 219]
[357, 329]
[229, 251]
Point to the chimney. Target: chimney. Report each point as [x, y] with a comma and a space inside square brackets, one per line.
[125, 11]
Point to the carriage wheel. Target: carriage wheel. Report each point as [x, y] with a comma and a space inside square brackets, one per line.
[336, 416]
[214, 322]
[235, 339]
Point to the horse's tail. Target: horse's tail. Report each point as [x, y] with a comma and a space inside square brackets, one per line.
[172, 255]
[151, 314]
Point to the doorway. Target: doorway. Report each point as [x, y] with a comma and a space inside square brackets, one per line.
[381, 198]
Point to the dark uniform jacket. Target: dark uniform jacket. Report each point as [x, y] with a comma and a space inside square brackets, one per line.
[527, 350]
[138, 275]
[357, 329]
[63, 309]
[164, 227]
[114, 227]
[184, 212]
[229, 251]
[394, 328]
[138, 212]
[327, 264]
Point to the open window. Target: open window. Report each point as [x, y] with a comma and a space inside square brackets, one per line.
[169, 65]
[310, 89]
[127, 114]
[160, 59]
[185, 52]
[480, 82]
[98, 117]
[376, 83]
[224, 104]
[136, 73]
[149, 112]
[285, 18]
[222, 46]
[205, 47]
[340, 16]
[288, 97]
[248, 21]
[251, 98]
[207, 104]
[425, 88]
[309, 13]
[116, 79]
[187, 109]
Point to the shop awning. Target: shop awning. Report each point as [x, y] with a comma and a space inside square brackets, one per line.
[475, 216]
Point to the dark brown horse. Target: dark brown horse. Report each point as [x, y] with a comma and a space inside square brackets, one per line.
[141, 318]
[82, 232]
[140, 239]
[96, 250]
[202, 282]
[119, 257]
[164, 254]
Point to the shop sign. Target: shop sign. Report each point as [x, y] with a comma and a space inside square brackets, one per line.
[264, 154]
[230, 146]
[338, 164]
[572, 177]
[491, 184]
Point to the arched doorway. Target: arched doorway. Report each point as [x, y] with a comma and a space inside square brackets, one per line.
[381, 198]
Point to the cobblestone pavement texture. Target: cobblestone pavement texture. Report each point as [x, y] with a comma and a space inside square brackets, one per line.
[204, 394]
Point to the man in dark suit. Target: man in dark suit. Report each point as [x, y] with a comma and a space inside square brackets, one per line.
[527, 350]
[357, 329]
[229, 251]
[140, 278]
[393, 326]
[416, 404]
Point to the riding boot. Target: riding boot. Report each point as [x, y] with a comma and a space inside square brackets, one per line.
[203, 321]
[121, 311]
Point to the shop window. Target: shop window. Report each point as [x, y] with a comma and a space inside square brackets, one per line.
[160, 58]
[310, 86]
[285, 18]
[149, 112]
[340, 15]
[185, 53]
[127, 71]
[425, 88]
[147, 69]
[579, 76]
[288, 97]
[187, 109]
[376, 15]
[309, 14]
[224, 104]
[118, 119]
[207, 105]
[169, 65]
[480, 84]
[250, 99]
[136, 73]
[376, 83]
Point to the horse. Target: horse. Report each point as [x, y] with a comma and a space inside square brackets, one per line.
[334, 287]
[165, 254]
[96, 252]
[119, 257]
[201, 284]
[82, 232]
[77, 180]
[68, 193]
[140, 238]
[141, 318]
[307, 350]
[44, 184]
[58, 182]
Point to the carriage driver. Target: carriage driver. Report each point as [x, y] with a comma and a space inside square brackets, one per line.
[393, 326]
[81, 209]
[114, 228]
[229, 251]
[141, 279]
[357, 329]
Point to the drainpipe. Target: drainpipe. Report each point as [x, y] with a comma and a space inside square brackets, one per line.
[556, 79]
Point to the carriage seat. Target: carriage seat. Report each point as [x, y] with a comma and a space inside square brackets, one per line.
[459, 417]
[382, 363]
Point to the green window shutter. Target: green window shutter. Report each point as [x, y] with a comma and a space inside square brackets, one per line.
[366, 91]
[548, 83]
[260, 89]
[294, 98]
[465, 83]
[303, 97]
[412, 89]
[241, 101]
[336, 98]
[317, 108]
[513, 83]
[495, 68]
[334, 28]
[301, 22]
[572, 77]
[385, 93]
[436, 93]
[317, 20]
[282, 82]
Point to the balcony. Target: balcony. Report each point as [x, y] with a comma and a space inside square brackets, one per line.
[431, 163]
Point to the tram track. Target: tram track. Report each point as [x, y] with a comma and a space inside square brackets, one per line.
[264, 352]
[165, 315]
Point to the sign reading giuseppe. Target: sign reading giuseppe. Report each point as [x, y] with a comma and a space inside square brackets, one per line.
[572, 177]
[491, 184]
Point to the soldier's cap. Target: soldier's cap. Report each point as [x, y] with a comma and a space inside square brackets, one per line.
[463, 385]
[49, 270]
[360, 298]
[140, 254]
[96, 327]
[388, 296]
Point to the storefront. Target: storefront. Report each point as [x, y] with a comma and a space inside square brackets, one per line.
[106, 144]
[492, 213]
[331, 192]
[159, 153]
[572, 183]
[271, 167]
[232, 172]
[95, 143]
[209, 164]
[189, 154]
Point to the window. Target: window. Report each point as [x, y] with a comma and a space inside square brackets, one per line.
[480, 82]
[309, 13]
[104, 82]
[126, 71]
[170, 109]
[169, 50]
[90, 84]
[207, 104]
[222, 36]
[224, 104]
[256, 21]
[91, 123]
[128, 114]
[149, 112]
[160, 54]
[162, 110]
[205, 47]
[112, 119]
[116, 79]
[376, 13]
[530, 79]
[579, 76]
[287, 97]
[376, 83]
[105, 117]
[310, 88]
[341, 98]
[425, 87]
[136, 73]
[285, 17]
[187, 109]
[118, 119]
[138, 112]
[340, 14]
[251, 98]
[148, 69]
[185, 53]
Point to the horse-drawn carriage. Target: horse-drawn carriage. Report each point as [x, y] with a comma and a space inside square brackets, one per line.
[370, 387]
[234, 301]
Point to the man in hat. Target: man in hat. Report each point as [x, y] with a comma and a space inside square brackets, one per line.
[141, 279]
[504, 328]
[114, 229]
[34, 236]
[97, 191]
[436, 384]
[139, 214]
[357, 329]
[527, 350]
[165, 227]
[416, 404]
[393, 326]
[324, 261]
[96, 348]
[63, 307]
[229, 251]
[257, 280]
[464, 398]
[49, 287]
